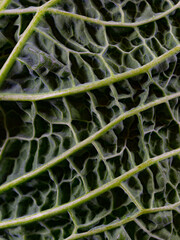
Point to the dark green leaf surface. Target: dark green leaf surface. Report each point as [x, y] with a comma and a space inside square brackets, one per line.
[89, 120]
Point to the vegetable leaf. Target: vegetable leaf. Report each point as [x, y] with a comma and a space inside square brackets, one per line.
[89, 119]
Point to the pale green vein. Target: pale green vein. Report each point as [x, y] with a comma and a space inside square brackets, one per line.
[92, 20]
[87, 197]
[146, 230]
[112, 23]
[23, 39]
[130, 195]
[124, 221]
[85, 142]
[89, 86]
[4, 4]
[19, 11]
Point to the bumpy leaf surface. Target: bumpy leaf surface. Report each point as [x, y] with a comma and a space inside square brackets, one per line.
[89, 119]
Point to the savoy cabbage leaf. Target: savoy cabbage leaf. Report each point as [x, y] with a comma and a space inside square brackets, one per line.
[89, 119]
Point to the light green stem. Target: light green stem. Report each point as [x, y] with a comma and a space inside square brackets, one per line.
[84, 143]
[112, 23]
[23, 39]
[19, 11]
[124, 221]
[4, 4]
[89, 86]
[87, 197]
[92, 20]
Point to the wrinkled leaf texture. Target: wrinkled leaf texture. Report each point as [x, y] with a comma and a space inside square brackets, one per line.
[89, 119]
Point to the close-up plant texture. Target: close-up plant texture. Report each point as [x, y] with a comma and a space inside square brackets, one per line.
[89, 119]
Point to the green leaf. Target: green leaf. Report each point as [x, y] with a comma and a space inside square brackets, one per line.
[89, 120]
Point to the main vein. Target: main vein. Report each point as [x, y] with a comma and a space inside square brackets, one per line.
[124, 221]
[89, 86]
[23, 39]
[4, 4]
[87, 197]
[85, 142]
[112, 23]
[92, 20]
